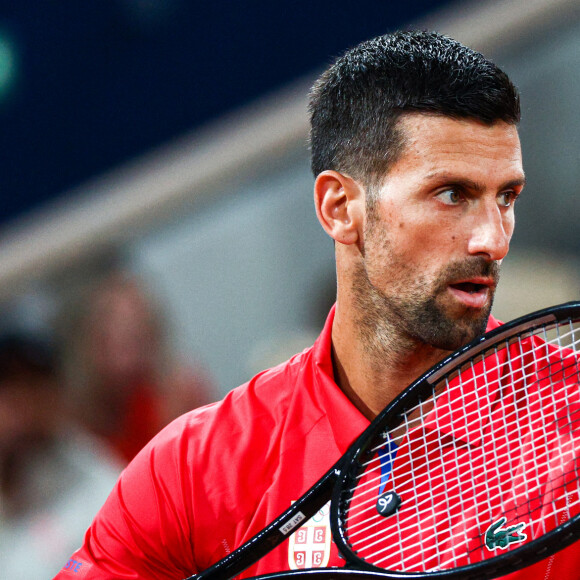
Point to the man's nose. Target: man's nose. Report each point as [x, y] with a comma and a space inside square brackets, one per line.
[491, 232]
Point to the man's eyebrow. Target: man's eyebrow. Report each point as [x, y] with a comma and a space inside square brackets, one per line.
[521, 182]
[450, 179]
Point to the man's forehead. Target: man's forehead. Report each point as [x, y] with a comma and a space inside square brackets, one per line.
[411, 123]
[421, 133]
[439, 146]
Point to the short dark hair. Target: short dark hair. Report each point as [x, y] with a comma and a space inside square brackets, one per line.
[355, 105]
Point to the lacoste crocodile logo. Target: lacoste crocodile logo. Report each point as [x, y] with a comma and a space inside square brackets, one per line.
[498, 537]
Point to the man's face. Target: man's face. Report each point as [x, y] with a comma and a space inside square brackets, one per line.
[440, 227]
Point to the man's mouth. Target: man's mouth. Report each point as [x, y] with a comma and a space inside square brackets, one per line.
[472, 293]
[469, 287]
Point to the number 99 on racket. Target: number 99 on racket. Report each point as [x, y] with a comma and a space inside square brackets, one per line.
[472, 472]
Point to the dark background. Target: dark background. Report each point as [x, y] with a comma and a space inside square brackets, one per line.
[86, 85]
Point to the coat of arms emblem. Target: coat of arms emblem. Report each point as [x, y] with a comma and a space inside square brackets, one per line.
[310, 543]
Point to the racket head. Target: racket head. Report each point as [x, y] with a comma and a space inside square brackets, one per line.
[461, 477]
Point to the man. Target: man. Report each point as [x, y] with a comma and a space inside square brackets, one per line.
[418, 164]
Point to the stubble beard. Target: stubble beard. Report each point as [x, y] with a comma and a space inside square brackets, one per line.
[414, 313]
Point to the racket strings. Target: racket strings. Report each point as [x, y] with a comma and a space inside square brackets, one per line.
[499, 439]
[409, 531]
[377, 538]
[519, 489]
[476, 472]
[501, 451]
[416, 416]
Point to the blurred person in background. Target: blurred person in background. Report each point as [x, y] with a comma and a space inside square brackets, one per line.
[125, 384]
[53, 477]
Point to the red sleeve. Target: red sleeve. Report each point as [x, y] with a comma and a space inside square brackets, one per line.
[143, 529]
[189, 495]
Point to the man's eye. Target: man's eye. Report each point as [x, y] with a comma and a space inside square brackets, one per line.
[449, 196]
[506, 198]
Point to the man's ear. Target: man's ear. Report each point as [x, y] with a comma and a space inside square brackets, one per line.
[339, 202]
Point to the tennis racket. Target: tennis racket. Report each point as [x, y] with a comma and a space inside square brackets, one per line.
[472, 472]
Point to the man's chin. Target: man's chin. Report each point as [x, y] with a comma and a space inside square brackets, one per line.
[452, 331]
[452, 342]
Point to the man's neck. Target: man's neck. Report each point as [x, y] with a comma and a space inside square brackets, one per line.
[370, 372]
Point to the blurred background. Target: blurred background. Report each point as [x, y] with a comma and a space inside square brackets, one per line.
[158, 243]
